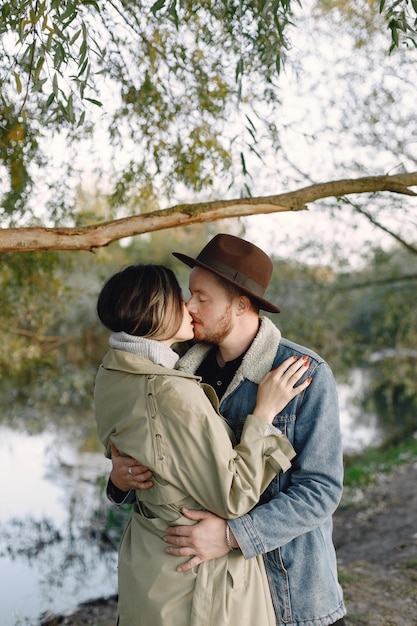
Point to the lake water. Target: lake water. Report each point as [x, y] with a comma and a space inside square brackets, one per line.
[49, 559]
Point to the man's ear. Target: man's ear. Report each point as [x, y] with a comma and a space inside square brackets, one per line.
[243, 304]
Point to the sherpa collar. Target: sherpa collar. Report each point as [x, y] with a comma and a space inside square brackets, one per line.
[257, 361]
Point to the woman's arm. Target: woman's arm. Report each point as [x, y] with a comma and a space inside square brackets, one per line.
[275, 391]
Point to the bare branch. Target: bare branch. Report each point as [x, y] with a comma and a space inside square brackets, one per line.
[96, 236]
[377, 282]
[408, 246]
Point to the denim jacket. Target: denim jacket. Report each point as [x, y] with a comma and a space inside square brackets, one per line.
[292, 524]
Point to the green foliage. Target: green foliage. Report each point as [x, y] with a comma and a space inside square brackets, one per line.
[168, 72]
[313, 311]
[399, 17]
[46, 326]
[402, 21]
[28, 287]
[181, 94]
[53, 341]
[18, 146]
[363, 469]
[383, 321]
[46, 41]
[364, 319]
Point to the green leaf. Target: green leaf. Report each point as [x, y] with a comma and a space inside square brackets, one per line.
[51, 98]
[37, 86]
[70, 12]
[251, 133]
[278, 63]
[18, 82]
[83, 50]
[96, 102]
[239, 69]
[394, 32]
[250, 122]
[172, 11]
[243, 163]
[70, 110]
[49, 42]
[75, 37]
[83, 68]
[38, 68]
[252, 149]
[157, 6]
[248, 190]
[55, 86]
[92, 3]
[381, 5]
[81, 120]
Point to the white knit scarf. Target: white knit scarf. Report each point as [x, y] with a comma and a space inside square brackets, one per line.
[150, 349]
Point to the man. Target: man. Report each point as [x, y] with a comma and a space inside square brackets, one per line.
[292, 524]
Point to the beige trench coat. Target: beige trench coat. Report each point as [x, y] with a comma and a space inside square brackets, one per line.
[162, 417]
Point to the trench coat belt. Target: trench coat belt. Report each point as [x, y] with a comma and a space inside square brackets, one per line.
[143, 510]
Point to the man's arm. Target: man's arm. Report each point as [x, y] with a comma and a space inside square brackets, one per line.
[202, 542]
[126, 476]
[315, 482]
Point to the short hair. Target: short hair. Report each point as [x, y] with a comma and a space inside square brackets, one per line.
[142, 300]
[233, 291]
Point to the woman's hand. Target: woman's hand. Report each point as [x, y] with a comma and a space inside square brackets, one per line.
[277, 388]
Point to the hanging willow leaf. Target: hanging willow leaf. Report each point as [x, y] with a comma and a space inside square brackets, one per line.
[157, 6]
[93, 101]
[18, 82]
[38, 68]
[55, 85]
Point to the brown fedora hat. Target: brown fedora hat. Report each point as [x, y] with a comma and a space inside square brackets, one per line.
[240, 263]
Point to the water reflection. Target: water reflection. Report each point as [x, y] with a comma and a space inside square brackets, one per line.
[359, 429]
[49, 561]
[51, 553]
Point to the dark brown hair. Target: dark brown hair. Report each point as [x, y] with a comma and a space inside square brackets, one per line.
[142, 300]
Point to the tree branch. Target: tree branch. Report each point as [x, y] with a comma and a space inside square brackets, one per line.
[96, 236]
[408, 246]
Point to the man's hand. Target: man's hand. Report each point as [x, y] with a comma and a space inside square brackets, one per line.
[127, 473]
[203, 541]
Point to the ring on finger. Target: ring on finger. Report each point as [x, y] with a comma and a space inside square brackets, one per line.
[129, 469]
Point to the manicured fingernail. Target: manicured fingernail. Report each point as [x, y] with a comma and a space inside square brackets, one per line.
[309, 380]
[307, 363]
[295, 358]
[305, 358]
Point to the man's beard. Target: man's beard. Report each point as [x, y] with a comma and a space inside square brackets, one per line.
[218, 333]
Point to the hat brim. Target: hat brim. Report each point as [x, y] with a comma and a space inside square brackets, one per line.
[263, 304]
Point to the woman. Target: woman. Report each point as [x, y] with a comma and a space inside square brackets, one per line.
[169, 420]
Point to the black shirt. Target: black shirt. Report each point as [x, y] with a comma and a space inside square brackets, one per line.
[219, 377]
